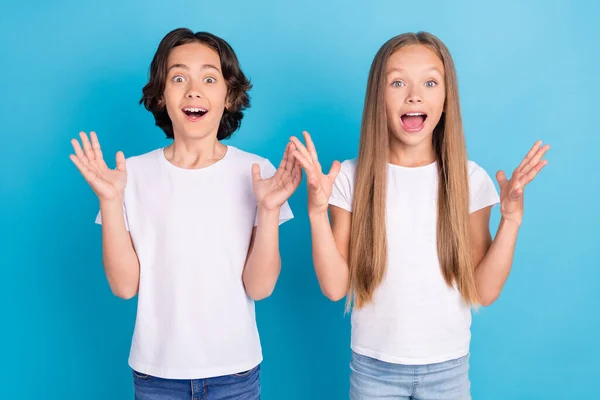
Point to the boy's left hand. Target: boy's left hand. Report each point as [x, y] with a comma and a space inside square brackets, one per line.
[273, 192]
[511, 191]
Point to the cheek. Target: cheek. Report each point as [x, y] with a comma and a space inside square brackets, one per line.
[218, 96]
[170, 95]
[392, 103]
[439, 100]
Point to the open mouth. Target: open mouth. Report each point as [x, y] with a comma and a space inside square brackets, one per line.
[194, 113]
[413, 121]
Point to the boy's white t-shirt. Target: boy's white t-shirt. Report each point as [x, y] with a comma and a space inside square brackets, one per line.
[415, 317]
[191, 230]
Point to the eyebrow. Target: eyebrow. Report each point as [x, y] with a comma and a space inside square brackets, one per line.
[403, 70]
[183, 66]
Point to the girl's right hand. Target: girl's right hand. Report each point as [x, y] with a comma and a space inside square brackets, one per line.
[319, 184]
[108, 184]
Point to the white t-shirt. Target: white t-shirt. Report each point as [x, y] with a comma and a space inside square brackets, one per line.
[415, 317]
[191, 230]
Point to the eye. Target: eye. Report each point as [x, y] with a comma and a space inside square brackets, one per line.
[430, 83]
[397, 84]
[178, 79]
[209, 79]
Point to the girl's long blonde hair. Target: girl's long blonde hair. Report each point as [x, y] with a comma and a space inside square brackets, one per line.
[368, 241]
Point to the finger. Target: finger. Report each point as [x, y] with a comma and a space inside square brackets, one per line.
[89, 175]
[533, 172]
[79, 152]
[535, 160]
[302, 149]
[529, 155]
[121, 164]
[501, 177]
[285, 165]
[312, 150]
[516, 193]
[87, 146]
[309, 168]
[256, 173]
[334, 170]
[297, 178]
[312, 176]
[302, 159]
[289, 161]
[310, 146]
[96, 146]
[284, 159]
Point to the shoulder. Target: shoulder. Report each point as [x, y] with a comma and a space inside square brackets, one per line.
[242, 157]
[142, 161]
[349, 167]
[475, 171]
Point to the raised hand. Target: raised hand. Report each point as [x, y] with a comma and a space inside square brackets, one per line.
[272, 193]
[511, 191]
[108, 184]
[319, 184]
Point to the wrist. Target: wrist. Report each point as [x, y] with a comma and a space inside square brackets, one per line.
[114, 202]
[317, 213]
[264, 210]
[513, 223]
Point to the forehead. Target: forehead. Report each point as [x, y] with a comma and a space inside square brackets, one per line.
[193, 54]
[415, 58]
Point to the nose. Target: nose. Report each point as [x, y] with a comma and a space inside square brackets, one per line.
[194, 91]
[414, 97]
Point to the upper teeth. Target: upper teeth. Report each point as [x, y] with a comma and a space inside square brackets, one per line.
[190, 109]
[414, 114]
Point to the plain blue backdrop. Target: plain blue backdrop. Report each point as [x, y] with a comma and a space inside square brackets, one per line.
[527, 71]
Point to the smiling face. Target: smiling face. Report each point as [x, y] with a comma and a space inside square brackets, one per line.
[195, 93]
[414, 95]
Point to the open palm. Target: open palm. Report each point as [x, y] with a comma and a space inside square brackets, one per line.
[511, 190]
[108, 184]
[320, 185]
[273, 192]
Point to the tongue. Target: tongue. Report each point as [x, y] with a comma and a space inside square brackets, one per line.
[412, 121]
[193, 115]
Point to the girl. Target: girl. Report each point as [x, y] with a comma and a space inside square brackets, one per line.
[409, 240]
[192, 227]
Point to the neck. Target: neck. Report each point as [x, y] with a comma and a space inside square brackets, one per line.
[411, 156]
[195, 153]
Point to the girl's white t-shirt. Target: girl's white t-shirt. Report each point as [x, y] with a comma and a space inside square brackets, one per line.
[191, 230]
[415, 318]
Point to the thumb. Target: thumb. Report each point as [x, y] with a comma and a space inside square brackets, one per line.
[501, 177]
[516, 193]
[334, 170]
[121, 161]
[256, 173]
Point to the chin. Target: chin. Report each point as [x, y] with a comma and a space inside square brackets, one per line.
[413, 139]
[194, 132]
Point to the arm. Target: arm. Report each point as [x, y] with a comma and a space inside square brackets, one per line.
[493, 259]
[263, 263]
[330, 243]
[330, 251]
[121, 264]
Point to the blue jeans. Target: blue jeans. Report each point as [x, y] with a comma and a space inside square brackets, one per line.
[375, 379]
[243, 386]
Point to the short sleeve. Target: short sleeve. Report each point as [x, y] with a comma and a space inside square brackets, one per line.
[267, 170]
[343, 187]
[482, 191]
[99, 217]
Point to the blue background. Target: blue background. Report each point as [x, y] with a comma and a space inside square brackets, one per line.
[527, 71]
